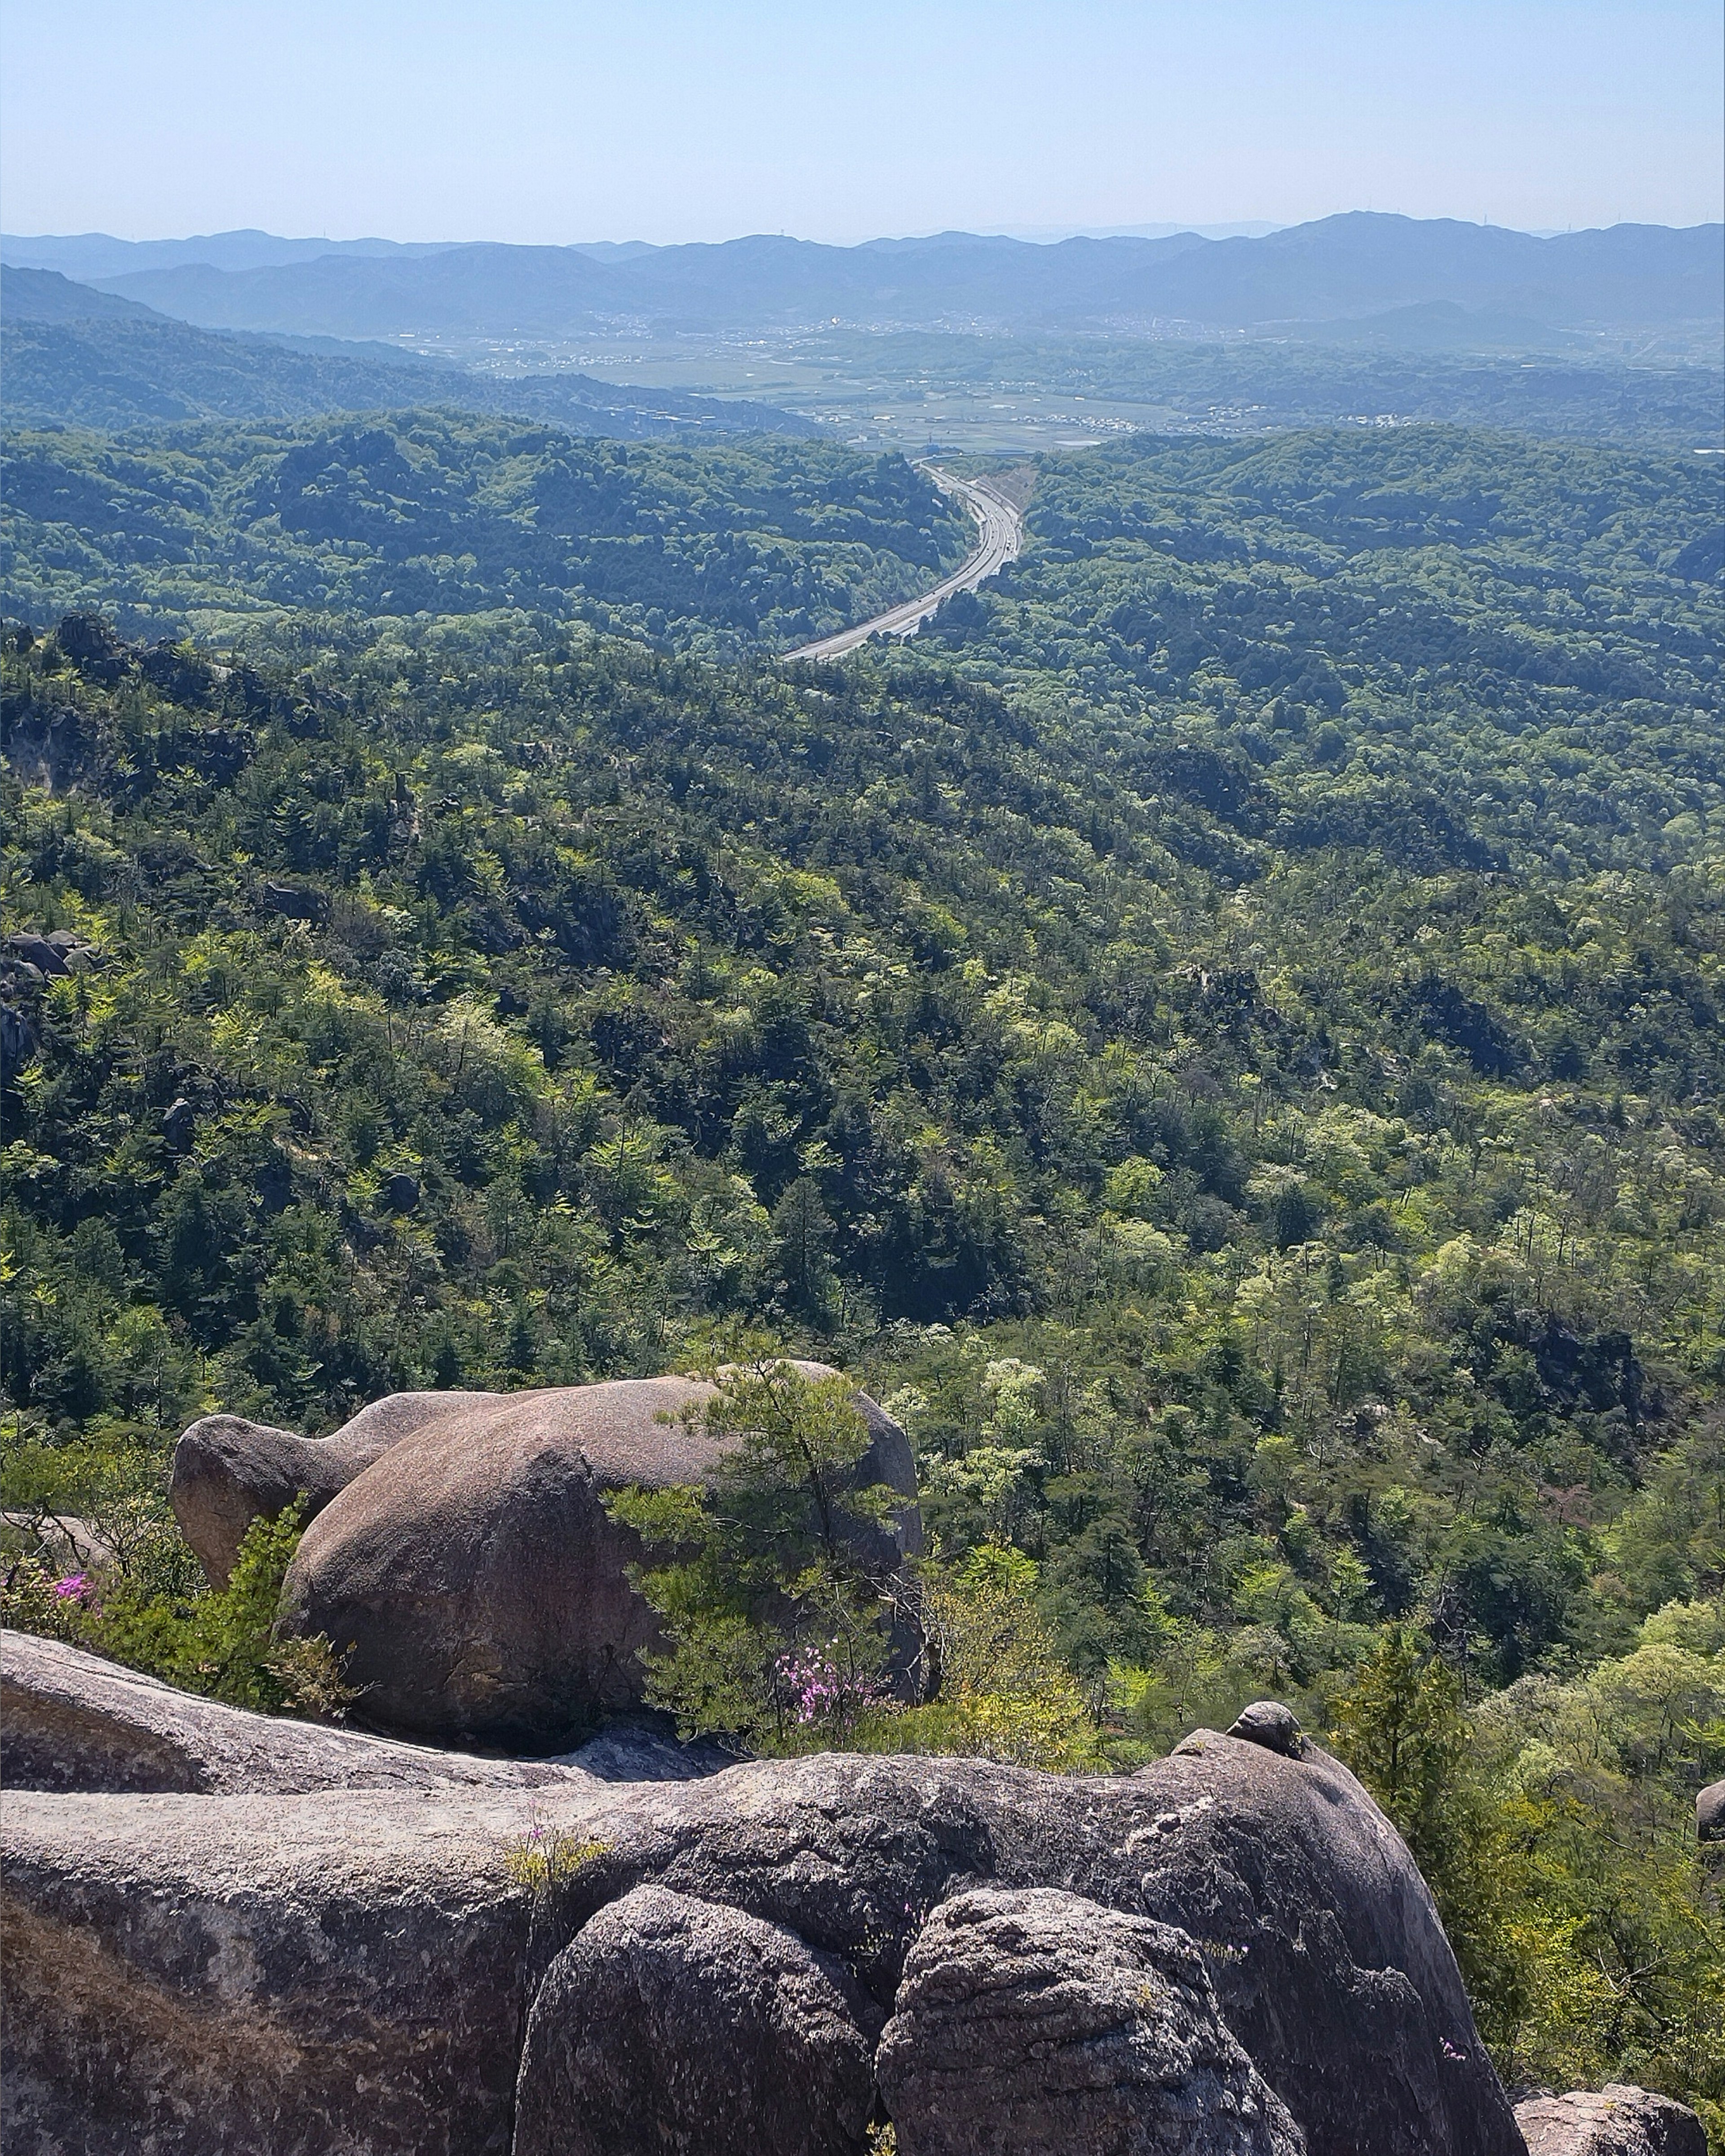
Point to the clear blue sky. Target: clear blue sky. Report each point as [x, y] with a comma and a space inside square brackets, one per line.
[530, 119]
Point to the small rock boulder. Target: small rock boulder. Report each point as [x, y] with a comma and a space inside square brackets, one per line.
[475, 1582]
[1710, 1812]
[56, 952]
[670, 2027]
[1040, 2022]
[1268, 1723]
[297, 901]
[1614, 2121]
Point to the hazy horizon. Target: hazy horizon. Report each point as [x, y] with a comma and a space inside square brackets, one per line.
[671, 123]
[1043, 236]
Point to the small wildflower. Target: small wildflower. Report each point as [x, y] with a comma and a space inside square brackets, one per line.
[73, 1587]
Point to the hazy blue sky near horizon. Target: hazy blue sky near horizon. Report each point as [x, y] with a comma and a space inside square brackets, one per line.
[673, 120]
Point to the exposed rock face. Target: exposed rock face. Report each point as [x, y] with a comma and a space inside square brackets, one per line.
[229, 1472]
[336, 1975]
[1288, 1869]
[1710, 1812]
[1616, 2121]
[472, 1576]
[75, 1722]
[351, 1971]
[1039, 2022]
[670, 2027]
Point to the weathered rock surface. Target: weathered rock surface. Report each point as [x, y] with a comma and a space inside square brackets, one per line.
[1038, 2022]
[669, 2027]
[472, 1577]
[351, 1971]
[1325, 1944]
[1710, 1812]
[1616, 2121]
[1268, 1723]
[229, 1472]
[75, 1722]
[334, 1975]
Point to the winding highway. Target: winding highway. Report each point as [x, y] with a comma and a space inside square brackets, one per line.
[1000, 535]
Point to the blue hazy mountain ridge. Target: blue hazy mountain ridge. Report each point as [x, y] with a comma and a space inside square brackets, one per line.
[71, 356]
[99, 254]
[1360, 263]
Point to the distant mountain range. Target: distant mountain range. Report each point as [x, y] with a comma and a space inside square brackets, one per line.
[70, 355]
[1628, 278]
[86, 255]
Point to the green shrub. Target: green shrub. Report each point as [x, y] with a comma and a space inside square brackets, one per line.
[223, 1644]
[771, 1594]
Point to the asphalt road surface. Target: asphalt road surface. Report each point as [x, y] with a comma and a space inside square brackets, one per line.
[1001, 534]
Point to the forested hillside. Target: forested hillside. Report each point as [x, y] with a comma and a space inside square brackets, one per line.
[718, 547]
[1223, 1037]
[1467, 649]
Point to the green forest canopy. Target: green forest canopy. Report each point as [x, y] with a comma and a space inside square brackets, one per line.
[1224, 1036]
[721, 545]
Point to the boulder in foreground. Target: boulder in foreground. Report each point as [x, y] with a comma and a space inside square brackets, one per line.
[672, 2027]
[1037, 2021]
[350, 1972]
[1614, 2121]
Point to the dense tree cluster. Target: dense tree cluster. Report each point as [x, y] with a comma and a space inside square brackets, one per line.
[716, 547]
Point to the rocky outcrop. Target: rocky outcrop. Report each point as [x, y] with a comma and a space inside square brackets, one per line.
[308, 1976]
[227, 1471]
[75, 1722]
[471, 1576]
[1616, 2121]
[352, 1970]
[1316, 1917]
[670, 2027]
[1039, 2021]
[1710, 1812]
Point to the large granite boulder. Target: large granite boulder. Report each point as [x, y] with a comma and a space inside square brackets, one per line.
[1710, 1812]
[1283, 1868]
[472, 1580]
[670, 2027]
[352, 1970]
[227, 1471]
[1614, 2121]
[1040, 2022]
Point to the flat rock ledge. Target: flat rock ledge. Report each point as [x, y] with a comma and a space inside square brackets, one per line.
[74, 1722]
